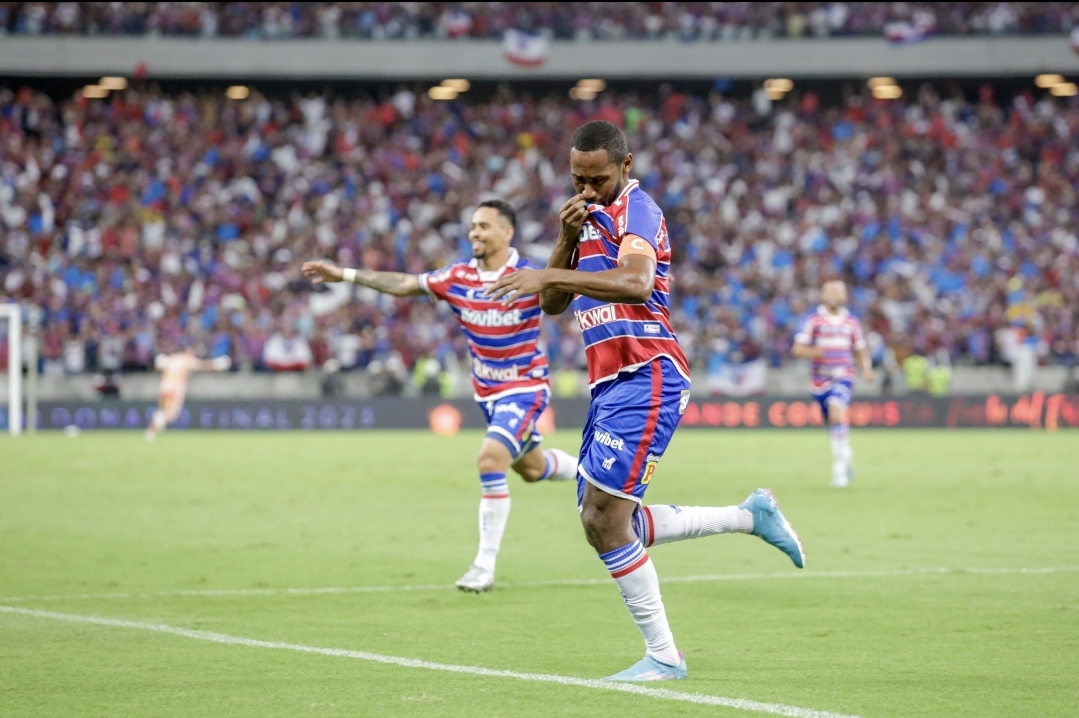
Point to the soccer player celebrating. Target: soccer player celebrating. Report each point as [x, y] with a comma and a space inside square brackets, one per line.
[831, 338]
[509, 371]
[611, 262]
[176, 370]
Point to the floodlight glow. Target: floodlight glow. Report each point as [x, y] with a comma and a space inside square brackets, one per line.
[458, 85]
[581, 93]
[95, 92]
[1065, 89]
[779, 84]
[237, 92]
[113, 83]
[887, 92]
[442, 93]
[594, 85]
[1047, 81]
[875, 82]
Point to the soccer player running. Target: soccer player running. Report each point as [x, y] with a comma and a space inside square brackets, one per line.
[176, 369]
[509, 370]
[832, 338]
[611, 262]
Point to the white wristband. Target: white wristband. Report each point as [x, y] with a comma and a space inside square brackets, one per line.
[349, 275]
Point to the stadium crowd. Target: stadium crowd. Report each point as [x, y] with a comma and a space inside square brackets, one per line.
[580, 21]
[147, 221]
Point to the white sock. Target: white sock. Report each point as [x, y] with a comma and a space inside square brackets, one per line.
[636, 577]
[494, 513]
[839, 435]
[560, 465]
[663, 523]
[159, 421]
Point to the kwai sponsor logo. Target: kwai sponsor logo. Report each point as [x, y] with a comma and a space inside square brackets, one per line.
[605, 438]
[493, 373]
[595, 316]
[491, 317]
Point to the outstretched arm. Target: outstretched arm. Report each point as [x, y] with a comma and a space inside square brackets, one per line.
[395, 283]
[806, 351]
[630, 282]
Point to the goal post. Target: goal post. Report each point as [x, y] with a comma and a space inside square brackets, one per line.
[13, 313]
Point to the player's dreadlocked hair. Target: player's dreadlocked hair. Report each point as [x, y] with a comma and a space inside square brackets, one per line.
[504, 208]
[601, 135]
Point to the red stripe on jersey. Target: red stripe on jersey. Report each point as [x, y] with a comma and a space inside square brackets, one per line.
[649, 427]
[612, 355]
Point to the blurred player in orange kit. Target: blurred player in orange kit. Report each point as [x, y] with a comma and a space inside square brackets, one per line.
[175, 370]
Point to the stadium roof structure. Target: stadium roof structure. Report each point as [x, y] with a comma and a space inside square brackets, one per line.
[486, 59]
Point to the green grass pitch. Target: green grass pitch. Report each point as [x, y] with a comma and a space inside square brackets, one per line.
[107, 525]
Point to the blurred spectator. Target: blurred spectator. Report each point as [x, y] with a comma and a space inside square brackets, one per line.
[287, 351]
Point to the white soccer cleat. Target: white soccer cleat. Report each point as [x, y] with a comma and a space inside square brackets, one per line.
[477, 580]
[565, 467]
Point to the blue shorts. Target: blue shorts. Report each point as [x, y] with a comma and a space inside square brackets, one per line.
[511, 421]
[839, 391]
[630, 423]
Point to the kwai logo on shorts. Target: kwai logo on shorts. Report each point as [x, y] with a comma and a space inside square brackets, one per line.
[595, 316]
[492, 373]
[605, 438]
[491, 317]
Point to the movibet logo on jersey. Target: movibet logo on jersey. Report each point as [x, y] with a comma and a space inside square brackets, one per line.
[493, 373]
[596, 316]
[605, 438]
[491, 317]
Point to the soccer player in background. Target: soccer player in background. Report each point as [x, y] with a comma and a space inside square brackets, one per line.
[176, 370]
[611, 262]
[831, 338]
[509, 370]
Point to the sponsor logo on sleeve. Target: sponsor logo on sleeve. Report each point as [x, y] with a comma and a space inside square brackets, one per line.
[652, 329]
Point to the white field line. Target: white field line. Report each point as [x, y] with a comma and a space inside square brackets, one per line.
[662, 693]
[211, 592]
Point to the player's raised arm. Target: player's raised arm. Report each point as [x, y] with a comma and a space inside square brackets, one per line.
[572, 216]
[398, 284]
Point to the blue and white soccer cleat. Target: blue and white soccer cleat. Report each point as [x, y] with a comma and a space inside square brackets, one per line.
[770, 524]
[649, 669]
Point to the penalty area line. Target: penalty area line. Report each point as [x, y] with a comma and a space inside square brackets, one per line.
[332, 590]
[636, 689]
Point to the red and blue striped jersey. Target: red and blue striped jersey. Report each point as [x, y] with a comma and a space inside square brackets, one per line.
[503, 340]
[624, 337]
[839, 335]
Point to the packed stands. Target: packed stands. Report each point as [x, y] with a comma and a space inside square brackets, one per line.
[146, 221]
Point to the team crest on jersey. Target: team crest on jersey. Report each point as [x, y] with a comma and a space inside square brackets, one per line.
[649, 469]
